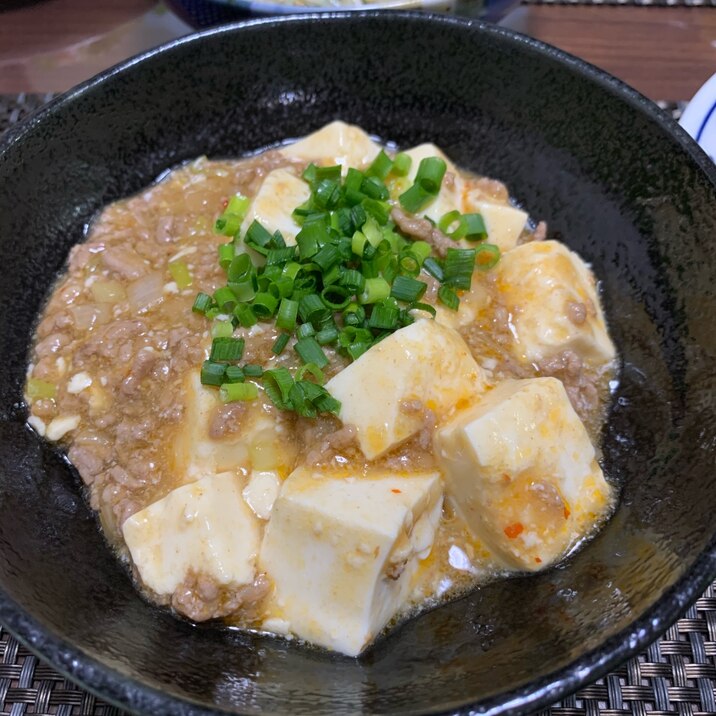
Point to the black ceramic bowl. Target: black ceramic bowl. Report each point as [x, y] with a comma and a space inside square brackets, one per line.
[616, 179]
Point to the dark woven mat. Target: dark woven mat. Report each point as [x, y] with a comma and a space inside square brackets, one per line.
[676, 675]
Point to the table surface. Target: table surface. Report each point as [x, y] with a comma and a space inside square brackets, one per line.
[665, 52]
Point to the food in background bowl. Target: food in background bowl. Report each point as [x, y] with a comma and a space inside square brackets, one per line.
[314, 390]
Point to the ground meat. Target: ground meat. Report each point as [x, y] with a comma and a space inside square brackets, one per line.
[141, 367]
[326, 448]
[226, 420]
[425, 435]
[492, 189]
[124, 262]
[540, 232]
[422, 229]
[87, 462]
[580, 384]
[199, 597]
[576, 312]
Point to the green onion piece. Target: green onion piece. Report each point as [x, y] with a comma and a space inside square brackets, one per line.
[421, 249]
[353, 180]
[310, 352]
[451, 225]
[287, 312]
[429, 308]
[257, 235]
[280, 343]
[202, 303]
[239, 205]
[448, 297]
[327, 193]
[415, 198]
[225, 298]
[354, 334]
[434, 268]
[374, 188]
[458, 267]
[212, 373]
[353, 280]
[180, 273]
[401, 164]
[333, 275]
[300, 403]
[326, 257]
[376, 289]
[251, 370]
[358, 215]
[243, 290]
[379, 210]
[381, 166]
[278, 257]
[245, 316]
[282, 287]
[372, 232]
[231, 392]
[38, 389]
[408, 289]
[475, 229]
[240, 268]
[305, 330]
[226, 255]
[314, 370]
[312, 309]
[228, 224]
[212, 313]
[327, 335]
[354, 315]
[309, 238]
[336, 297]
[309, 173]
[226, 349]
[222, 329]
[430, 174]
[487, 256]
[277, 385]
[358, 243]
[384, 316]
[356, 350]
[409, 264]
[264, 305]
[333, 173]
[234, 374]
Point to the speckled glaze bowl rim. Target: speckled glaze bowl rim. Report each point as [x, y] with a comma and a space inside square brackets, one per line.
[127, 693]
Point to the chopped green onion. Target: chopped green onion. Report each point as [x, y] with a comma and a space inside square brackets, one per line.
[277, 385]
[264, 305]
[238, 205]
[245, 315]
[336, 297]
[228, 224]
[225, 298]
[487, 256]
[226, 349]
[458, 268]
[202, 303]
[326, 257]
[212, 373]
[312, 309]
[447, 296]
[234, 374]
[429, 308]
[222, 329]
[278, 257]
[421, 249]
[287, 312]
[327, 335]
[374, 188]
[327, 193]
[430, 174]
[305, 330]
[226, 255]
[450, 224]
[475, 229]
[354, 315]
[240, 268]
[381, 166]
[409, 264]
[280, 343]
[415, 198]
[257, 235]
[251, 370]
[384, 316]
[408, 289]
[401, 164]
[314, 370]
[310, 352]
[356, 350]
[434, 268]
[353, 280]
[40, 389]
[243, 290]
[231, 392]
[379, 210]
[376, 289]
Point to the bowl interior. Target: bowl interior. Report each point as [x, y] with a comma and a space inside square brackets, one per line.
[613, 180]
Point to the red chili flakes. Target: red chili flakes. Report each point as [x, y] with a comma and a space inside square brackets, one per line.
[396, 490]
[538, 560]
[567, 513]
[225, 203]
[514, 530]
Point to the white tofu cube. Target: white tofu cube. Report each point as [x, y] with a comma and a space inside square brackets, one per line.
[279, 194]
[204, 528]
[196, 453]
[342, 551]
[424, 362]
[521, 471]
[336, 143]
[552, 298]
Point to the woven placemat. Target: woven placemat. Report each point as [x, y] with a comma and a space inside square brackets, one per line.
[675, 675]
